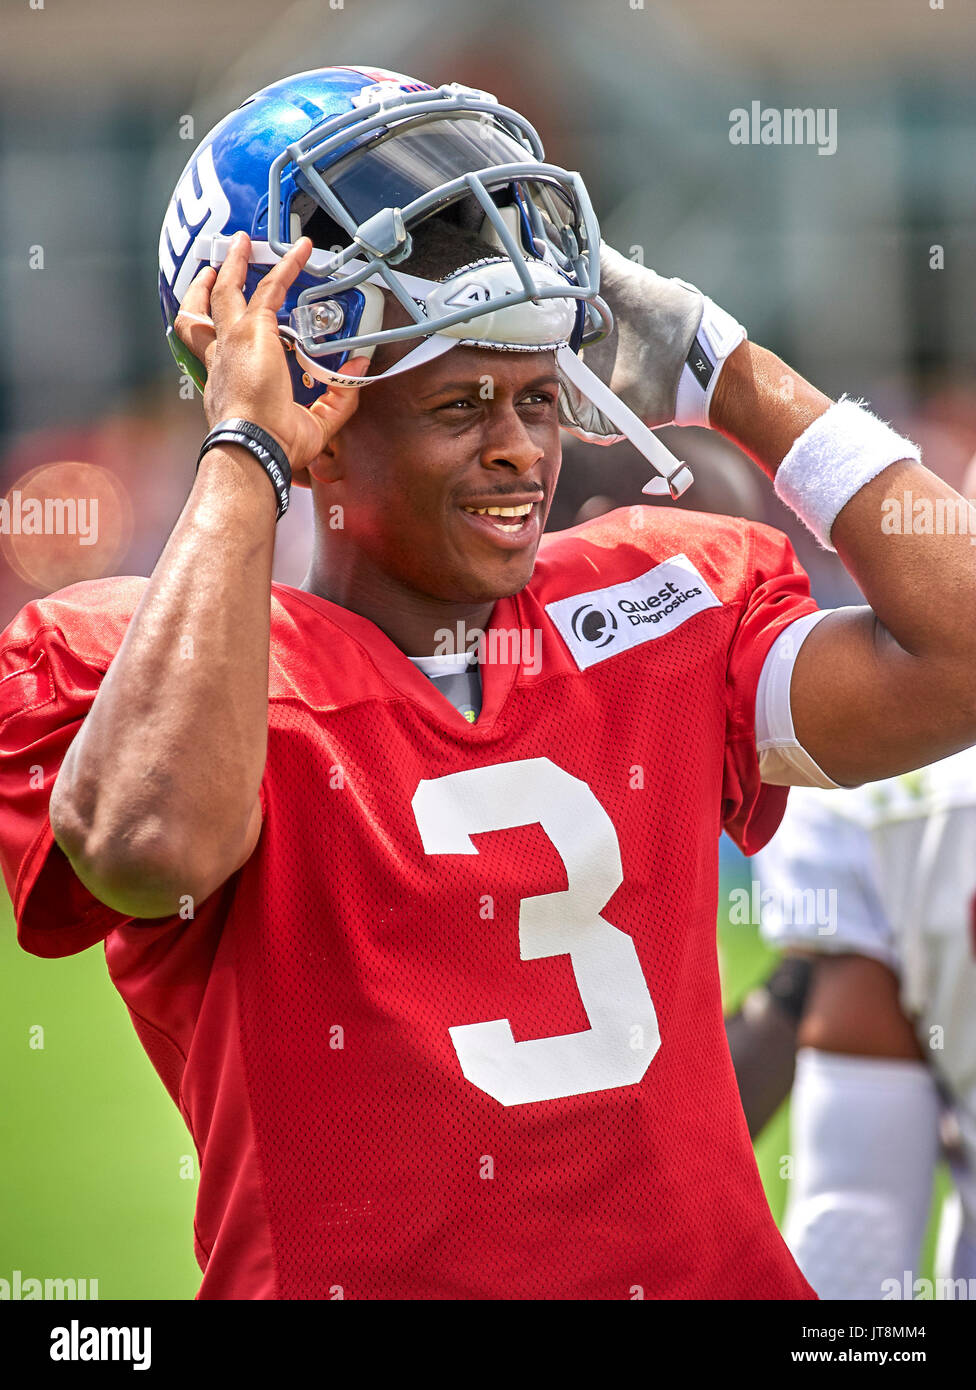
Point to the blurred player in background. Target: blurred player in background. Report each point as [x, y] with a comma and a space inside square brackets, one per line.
[879, 995]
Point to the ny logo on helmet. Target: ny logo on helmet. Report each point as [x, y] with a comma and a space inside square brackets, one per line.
[191, 214]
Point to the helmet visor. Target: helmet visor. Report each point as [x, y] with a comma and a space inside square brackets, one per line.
[413, 158]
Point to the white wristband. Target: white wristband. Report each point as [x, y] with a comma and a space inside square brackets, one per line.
[718, 335]
[833, 459]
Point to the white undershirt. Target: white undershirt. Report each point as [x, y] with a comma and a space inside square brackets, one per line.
[458, 678]
[452, 664]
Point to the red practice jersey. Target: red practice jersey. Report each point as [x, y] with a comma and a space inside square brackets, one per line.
[455, 1029]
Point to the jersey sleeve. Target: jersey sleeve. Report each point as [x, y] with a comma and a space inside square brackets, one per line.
[818, 881]
[46, 689]
[775, 593]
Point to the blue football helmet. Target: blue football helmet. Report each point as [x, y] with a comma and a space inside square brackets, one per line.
[356, 158]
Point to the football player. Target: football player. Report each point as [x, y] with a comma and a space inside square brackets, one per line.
[418, 930]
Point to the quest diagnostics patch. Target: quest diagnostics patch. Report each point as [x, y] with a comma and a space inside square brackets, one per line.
[607, 621]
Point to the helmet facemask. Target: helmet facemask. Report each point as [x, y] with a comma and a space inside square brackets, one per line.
[364, 182]
[451, 153]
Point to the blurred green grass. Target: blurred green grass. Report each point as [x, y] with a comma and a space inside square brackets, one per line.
[93, 1153]
[91, 1146]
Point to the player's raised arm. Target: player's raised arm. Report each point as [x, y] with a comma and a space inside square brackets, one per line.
[882, 689]
[158, 796]
[875, 690]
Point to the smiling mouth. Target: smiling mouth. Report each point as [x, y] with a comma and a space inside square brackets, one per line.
[504, 518]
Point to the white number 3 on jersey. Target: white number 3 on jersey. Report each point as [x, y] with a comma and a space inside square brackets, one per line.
[623, 1035]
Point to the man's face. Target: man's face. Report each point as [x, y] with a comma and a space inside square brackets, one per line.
[427, 450]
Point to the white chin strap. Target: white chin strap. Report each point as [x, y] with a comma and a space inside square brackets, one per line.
[431, 348]
[674, 477]
[536, 326]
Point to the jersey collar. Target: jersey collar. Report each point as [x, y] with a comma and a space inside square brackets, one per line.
[498, 675]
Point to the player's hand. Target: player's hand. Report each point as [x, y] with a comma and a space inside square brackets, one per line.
[657, 322]
[247, 371]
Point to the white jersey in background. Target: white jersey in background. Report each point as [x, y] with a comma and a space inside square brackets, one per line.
[888, 871]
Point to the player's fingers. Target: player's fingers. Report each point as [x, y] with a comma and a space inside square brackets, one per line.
[227, 302]
[197, 297]
[193, 324]
[270, 293]
[332, 410]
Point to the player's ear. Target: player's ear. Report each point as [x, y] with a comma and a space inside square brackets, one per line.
[325, 469]
[329, 466]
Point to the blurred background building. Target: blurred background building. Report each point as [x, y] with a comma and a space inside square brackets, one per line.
[857, 266]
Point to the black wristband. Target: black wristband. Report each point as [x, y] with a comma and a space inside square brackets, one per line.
[268, 452]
